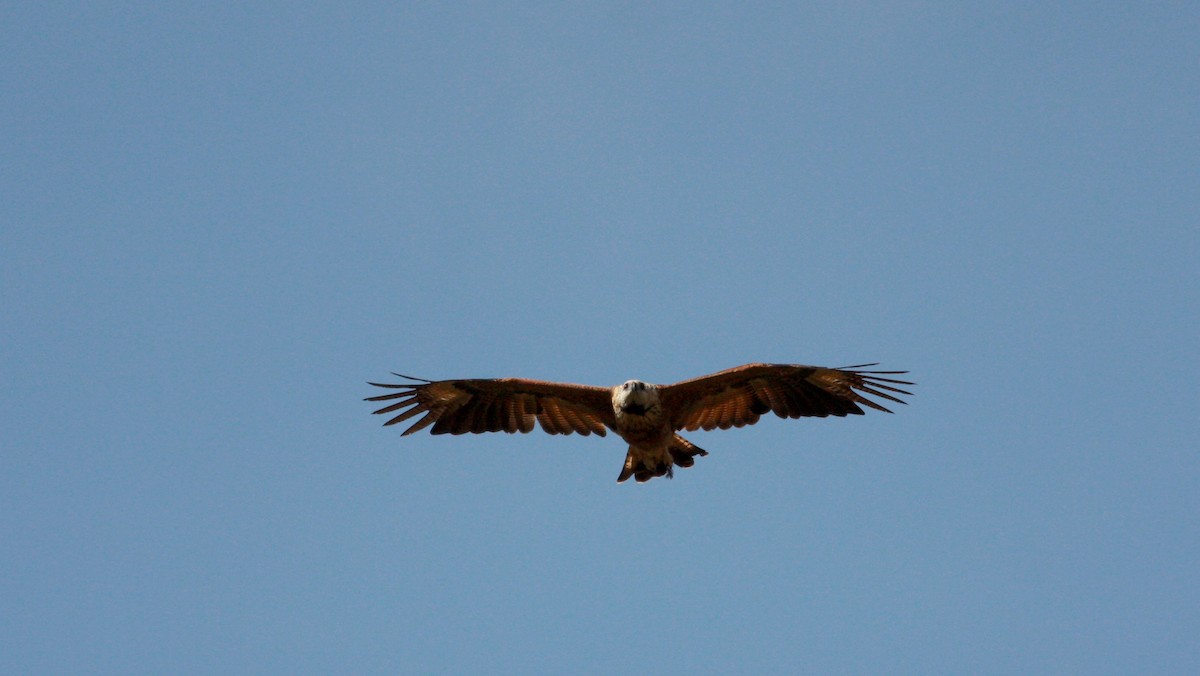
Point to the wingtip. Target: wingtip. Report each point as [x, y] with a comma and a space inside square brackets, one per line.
[856, 366]
[401, 375]
[396, 386]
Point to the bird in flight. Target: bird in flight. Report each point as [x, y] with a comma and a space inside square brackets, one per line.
[647, 416]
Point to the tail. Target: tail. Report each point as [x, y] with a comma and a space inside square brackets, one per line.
[642, 467]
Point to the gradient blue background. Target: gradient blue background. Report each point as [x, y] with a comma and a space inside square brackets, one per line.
[220, 221]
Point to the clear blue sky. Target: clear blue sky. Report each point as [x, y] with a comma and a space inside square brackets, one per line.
[220, 221]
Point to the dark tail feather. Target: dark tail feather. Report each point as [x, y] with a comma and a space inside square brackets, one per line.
[683, 453]
[640, 471]
[626, 470]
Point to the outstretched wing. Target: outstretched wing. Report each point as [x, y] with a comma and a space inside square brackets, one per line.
[498, 405]
[738, 396]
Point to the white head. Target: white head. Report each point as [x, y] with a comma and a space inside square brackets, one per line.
[633, 397]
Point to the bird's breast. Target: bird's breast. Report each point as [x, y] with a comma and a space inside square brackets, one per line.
[647, 425]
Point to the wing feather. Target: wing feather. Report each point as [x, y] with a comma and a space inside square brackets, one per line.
[397, 406]
[528, 406]
[576, 421]
[739, 396]
[482, 415]
[509, 412]
[497, 405]
[551, 418]
[496, 419]
[421, 424]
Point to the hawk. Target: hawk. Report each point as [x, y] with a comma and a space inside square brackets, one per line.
[647, 416]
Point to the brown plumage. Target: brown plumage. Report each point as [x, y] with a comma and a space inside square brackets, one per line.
[644, 415]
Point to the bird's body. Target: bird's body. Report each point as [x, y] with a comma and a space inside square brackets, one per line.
[653, 448]
[645, 415]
